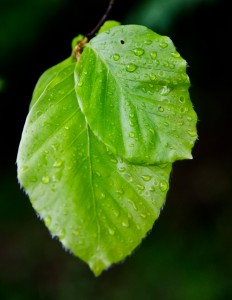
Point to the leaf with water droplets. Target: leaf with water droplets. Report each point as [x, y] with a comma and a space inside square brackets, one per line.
[91, 199]
[126, 99]
[134, 80]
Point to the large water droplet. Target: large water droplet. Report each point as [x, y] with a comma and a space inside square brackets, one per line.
[58, 163]
[148, 42]
[45, 179]
[163, 186]
[138, 51]
[176, 54]
[153, 54]
[131, 67]
[165, 91]
[116, 56]
[121, 169]
[163, 45]
[146, 177]
[182, 99]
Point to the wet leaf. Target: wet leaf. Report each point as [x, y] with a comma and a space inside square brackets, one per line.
[97, 204]
[136, 85]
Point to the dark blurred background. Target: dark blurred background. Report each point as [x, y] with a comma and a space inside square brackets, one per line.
[188, 254]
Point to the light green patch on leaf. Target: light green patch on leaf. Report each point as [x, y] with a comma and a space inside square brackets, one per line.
[132, 87]
[97, 204]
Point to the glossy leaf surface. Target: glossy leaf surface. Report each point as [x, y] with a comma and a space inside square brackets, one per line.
[132, 87]
[96, 150]
[97, 204]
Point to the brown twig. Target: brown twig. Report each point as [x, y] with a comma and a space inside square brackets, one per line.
[80, 45]
[91, 34]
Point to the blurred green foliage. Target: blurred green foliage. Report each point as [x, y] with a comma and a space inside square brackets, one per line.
[160, 14]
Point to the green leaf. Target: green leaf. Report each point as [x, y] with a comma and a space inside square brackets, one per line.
[132, 87]
[97, 204]
[53, 74]
[108, 25]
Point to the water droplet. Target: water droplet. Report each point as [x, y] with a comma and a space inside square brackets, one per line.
[80, 83]
[115, 212]
[176, 54]
[58, 163]
[189, 118]
[163, 186]
[111, 231]
[24, 168]
[131, 67]
[181, 123]
[143, 216]
[152, 76]
[120, 192]
[133, 204]
[125, 223]
[152, 188]
[121, 169]
[153, 54]
[131, 115]
[147, 42]
[160, 108]
[165, 90]
[172, 66]
[166, 64]
[102, 196]
[182, 110]
[141, 187]
[131, 134]
[146, 177]
[138, 51]
[182, 99]
[47, 220]
[45, 179]
[163, 45]
[192, 133]
[116, 56]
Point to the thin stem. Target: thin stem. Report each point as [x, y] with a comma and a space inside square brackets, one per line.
[111, 3]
